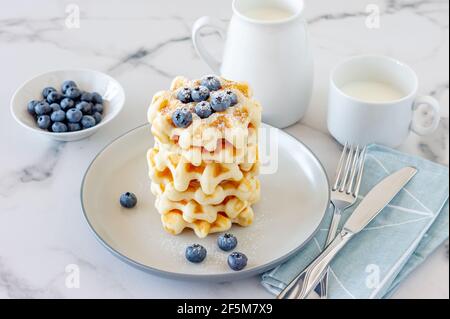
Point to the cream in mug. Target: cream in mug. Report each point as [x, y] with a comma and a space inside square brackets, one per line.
[372, 91]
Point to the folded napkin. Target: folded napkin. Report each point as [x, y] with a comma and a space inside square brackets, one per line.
[377, 259]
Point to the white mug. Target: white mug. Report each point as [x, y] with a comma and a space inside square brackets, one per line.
[354, 119]
[272, 55]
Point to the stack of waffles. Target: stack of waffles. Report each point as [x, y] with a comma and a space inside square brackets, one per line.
[204, 172]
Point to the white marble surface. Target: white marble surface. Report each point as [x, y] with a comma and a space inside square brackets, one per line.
[144, 44]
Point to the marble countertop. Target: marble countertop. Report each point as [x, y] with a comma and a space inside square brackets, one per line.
[144, 44]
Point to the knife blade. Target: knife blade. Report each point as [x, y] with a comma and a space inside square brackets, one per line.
[368, 209]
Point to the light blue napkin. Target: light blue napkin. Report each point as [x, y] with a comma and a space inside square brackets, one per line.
[408, 230]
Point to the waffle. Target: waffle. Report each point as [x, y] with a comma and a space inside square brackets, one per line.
[166, 167]
[174, 223]
[204, 175]
[245, 190]
[233, 126]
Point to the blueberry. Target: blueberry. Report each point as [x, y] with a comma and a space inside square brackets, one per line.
[55, 107]
[86, 97]
[47, 91]
[44, 122]
[185, 95]
[182, 117]
[30, 107]
[97, 108]
[200, 93]
[237, 261]
[74, 127]
[203, 110]
[59, 127]
[220, 101]
[211, 82]
[67, 84]
[42, 108]
[98, 117]
[67, 103]
[74, 115]
[84, 107]
[54, 97]
[58, 116]
[233, 97]
[72, 93]
[227, 242]
[195, 253]
[128, 200]
[87, 121]
[97, 98]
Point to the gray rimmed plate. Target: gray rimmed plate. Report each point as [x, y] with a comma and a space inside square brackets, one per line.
[293, 202]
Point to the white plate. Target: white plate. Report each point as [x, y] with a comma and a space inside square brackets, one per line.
[87, 80]
[293, 203]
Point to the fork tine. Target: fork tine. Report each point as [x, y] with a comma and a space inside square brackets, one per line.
[340, 166]
[360, 170]
[354, 170]
[347, 169]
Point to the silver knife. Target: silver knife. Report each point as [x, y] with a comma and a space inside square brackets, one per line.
[368, 209]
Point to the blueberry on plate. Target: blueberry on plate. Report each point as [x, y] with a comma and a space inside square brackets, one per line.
[185, 95]
[30, 107]
[182, 117]
[73, 127]
[84, 107]
[86, 97]
[220, 101]
[195, 253]
[59, 127]
[203, 110]
[97, 98]
[237, 261]
[211, 82]
[55, 107]
[67, 103]
[44, 122]
[233, 97]
[87, 121]
[200, 93]
[227, 242]
[128, 200]
[66, 85]
[97, 108]
[74, 115]
[58, 116]
[98, 117]
[47, 91]
[72, 93]
[42, 108]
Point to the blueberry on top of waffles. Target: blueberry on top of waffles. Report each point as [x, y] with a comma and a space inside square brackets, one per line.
[233, 97]
[128, 200]
[182, 117]
[220, 101]
[195, 253]
[237, 261]
[227, 242]
[185, 95]
[200, 93]
[211, 82]
[203, 109]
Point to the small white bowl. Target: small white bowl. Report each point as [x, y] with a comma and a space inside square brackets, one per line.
[87, 80]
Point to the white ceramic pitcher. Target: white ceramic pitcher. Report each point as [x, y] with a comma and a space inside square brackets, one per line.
[272, 55]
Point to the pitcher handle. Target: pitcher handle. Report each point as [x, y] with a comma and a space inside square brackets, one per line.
[201, 23]
[419, 128]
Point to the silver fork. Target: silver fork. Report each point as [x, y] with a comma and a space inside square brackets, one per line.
[344, 193]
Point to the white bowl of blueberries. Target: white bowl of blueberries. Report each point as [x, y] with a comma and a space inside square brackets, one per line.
[68, 105]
